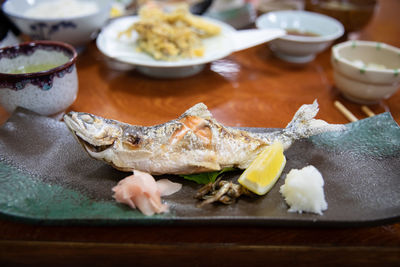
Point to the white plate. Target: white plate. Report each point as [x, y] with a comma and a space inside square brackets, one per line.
[124, 49]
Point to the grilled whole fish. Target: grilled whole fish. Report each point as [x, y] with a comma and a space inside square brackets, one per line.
[195, 142]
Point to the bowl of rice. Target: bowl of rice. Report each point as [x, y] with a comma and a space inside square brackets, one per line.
[71, 21]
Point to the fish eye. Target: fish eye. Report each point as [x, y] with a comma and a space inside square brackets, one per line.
[134, 140]
[131, 141]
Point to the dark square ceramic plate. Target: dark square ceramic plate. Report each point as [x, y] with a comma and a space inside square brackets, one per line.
[46, 177]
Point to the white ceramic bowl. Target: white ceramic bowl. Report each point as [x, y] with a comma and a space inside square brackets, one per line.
[295, 48]
[125, 50]
[366, 72]
[47, 92]
[75, 30]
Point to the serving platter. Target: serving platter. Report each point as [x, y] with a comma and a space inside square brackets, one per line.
[124, 49]
[47, 178]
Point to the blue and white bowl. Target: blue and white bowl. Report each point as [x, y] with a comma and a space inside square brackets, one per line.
[77, 30]
[295, 48]
[48, 92]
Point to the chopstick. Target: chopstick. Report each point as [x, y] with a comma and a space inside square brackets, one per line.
[347, 113]
[350, 116]
[367, 111]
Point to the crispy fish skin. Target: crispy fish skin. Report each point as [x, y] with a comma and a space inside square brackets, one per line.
[195, 142]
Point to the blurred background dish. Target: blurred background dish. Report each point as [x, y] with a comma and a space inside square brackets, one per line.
[130, 7]
[366, 72]
[72, 21]
[125, 50]
[265, 6]
[237, 13]
[353, 14]
[40, 76]
[226, 42]
[8, 32]
[308, 33]
[200, 7]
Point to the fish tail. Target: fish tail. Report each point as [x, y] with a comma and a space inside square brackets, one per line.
[304, 125]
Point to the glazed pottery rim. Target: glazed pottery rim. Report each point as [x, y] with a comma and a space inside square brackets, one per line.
[307, 39]
[37, 45]
[371, 44]
[102, 8]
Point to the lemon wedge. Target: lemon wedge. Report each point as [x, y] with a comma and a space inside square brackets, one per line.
[265, 170]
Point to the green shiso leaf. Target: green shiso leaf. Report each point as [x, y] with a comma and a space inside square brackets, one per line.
[206, 177]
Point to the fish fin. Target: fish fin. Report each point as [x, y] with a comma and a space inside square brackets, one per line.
[199, 110]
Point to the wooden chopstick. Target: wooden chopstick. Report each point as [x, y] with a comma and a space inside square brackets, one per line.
[367, 111]
[347, 113]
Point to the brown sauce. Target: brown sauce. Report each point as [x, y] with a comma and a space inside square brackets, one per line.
[301, 33]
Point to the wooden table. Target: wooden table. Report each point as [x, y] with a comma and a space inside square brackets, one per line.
[248, 88]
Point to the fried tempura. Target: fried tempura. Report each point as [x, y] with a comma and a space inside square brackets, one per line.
[170, 36]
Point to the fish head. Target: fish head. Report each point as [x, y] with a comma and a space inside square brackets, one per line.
[93, 132]
[116, 143]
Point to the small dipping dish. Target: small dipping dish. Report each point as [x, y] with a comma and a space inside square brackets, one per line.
[40, 76]
[366, 72]
[308, 33]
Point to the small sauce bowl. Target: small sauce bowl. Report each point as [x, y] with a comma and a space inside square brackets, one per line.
[313, 33]
[40, 76]
[366, 72]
